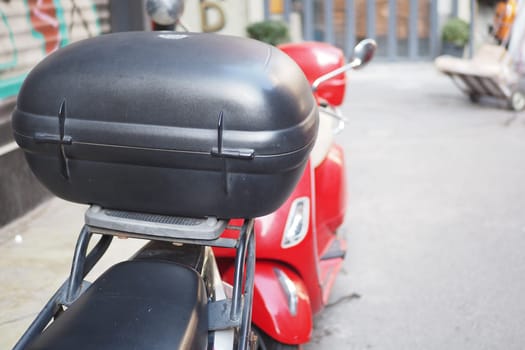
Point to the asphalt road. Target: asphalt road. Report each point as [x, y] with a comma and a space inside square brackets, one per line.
[436, 224]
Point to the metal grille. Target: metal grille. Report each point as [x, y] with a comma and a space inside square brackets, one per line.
[158, 219]
[404, 29]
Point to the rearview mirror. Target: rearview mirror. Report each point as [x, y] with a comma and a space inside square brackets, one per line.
[363, 53]
[165, 12]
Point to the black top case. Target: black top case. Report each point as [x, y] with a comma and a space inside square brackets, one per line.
[169, 123]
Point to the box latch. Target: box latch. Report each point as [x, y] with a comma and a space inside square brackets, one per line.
[222, 152]
[61, 140]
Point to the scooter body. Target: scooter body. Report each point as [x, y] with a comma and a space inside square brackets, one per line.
[298, 251]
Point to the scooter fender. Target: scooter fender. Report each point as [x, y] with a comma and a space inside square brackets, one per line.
[281, 306]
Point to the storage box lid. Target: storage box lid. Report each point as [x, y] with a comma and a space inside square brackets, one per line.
[194, 93]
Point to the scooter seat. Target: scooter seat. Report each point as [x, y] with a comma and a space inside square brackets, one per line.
[134, 305]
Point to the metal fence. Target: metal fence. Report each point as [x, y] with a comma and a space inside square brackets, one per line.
[404, 29]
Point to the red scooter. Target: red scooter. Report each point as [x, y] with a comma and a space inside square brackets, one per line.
[298, 251]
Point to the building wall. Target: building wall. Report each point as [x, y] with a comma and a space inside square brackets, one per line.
[445, 8]
[236, 15]
[31, 29]
[517, 42]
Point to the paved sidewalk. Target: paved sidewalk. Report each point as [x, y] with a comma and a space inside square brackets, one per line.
[35, 258]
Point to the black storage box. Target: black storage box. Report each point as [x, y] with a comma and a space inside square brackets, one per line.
[170, 123]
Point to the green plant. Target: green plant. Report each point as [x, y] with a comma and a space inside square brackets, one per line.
[271, 32]
[456, 31]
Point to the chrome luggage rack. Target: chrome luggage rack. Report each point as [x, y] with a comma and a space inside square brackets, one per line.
[153, 226]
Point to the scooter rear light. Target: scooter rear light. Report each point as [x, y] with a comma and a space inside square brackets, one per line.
[297, 223]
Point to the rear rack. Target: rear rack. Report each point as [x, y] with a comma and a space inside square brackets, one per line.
[234, 312]
[101, 220]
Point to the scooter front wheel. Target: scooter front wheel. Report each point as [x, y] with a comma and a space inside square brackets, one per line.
[265, 342]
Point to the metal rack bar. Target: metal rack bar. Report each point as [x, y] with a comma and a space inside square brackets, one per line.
[240, 258]
[248, 293]
[77, 267]
[219, 242]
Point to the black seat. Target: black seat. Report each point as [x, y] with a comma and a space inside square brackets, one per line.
[134, 305]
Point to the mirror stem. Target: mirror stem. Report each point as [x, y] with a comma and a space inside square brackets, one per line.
[355, 62]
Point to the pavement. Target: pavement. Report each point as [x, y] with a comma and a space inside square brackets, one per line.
[435, 225]
[35, 258]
